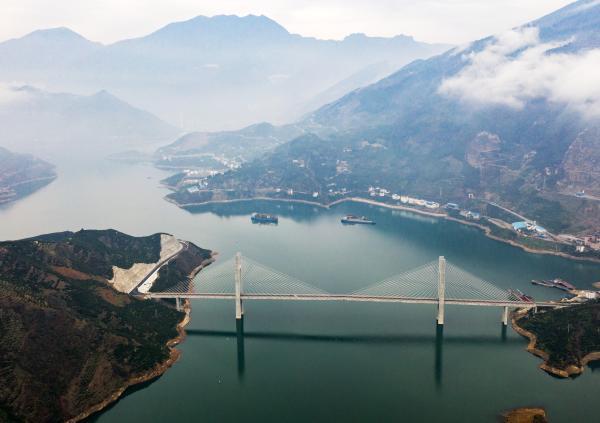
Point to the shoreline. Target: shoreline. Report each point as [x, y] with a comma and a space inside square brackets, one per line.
[161, 368]
[486, 230]
[570, 371]
[155, 373]
[43, 181]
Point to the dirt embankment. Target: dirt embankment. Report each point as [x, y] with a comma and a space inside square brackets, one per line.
[125, 280]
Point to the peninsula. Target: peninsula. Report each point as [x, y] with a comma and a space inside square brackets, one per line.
[567, 339]
[21, 174]
[71, 339]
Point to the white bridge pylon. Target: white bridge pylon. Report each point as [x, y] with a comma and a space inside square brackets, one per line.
[438, 283]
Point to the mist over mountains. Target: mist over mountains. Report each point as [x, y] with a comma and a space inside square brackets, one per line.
[52, 125]
[513, 118]
[223, 72]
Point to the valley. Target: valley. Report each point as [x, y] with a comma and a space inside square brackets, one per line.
[340, 220]
[415, 134]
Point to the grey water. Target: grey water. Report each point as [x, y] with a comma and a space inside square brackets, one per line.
[298, 362]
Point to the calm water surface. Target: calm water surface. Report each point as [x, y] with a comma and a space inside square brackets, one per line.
[299, 362]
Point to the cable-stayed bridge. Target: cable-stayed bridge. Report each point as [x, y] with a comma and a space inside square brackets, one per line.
[439, 282]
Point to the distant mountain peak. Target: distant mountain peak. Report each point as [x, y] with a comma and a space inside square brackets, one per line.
[103, 94]
[220, 27]
[360, 36]
[56, 34]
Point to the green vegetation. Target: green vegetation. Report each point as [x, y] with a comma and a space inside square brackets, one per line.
[92, 251]
[406, 135]
[568, 334]
[173, 180]
[68, 341]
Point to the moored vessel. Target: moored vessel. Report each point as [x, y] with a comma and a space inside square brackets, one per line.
[264, 218]
[555, 283]
[356, 220]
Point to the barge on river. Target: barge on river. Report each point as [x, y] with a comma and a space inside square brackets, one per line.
[264, 218]
[356, 220]
[555, 283]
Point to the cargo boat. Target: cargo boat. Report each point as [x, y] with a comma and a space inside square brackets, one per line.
[555, 283]
[264, 218]
[520, 296]
[356, 220]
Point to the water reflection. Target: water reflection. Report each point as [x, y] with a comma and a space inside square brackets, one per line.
[241, 356]
[439, 344]
[437, 341]
[299, 212]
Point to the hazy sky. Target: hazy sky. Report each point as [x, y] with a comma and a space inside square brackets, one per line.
[450, 21]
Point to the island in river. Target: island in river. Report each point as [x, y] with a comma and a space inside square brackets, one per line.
[70, 342]
[566, 338]
[22, 174]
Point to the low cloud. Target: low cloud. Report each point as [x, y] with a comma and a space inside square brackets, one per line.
[516, 67]
[10, 95]
[585, 6]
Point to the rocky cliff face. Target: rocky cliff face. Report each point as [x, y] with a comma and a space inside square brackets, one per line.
[581, 164]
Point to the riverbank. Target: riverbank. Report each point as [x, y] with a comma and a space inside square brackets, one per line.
[22, 189]
[486, 230]
[569, 371]
[155, 373]
[160, 369]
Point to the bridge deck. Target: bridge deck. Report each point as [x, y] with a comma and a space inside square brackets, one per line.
[355, 298]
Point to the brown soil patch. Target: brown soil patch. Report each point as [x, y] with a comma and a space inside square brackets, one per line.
[110, 296]
[525, 415]
[75, 274]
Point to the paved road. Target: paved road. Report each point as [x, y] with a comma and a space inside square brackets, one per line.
[509, 211]
[358, 298]
[184, 247]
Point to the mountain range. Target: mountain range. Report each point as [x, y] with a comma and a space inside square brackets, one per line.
[53, 125]
[513, 118]
[221, 72]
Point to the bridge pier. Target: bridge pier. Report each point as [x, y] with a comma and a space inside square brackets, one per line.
[441, 290]
[239, 311]
[505, 316]
[178, 303]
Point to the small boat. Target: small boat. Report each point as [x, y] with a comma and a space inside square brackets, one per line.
[356, 220]
[264, 218]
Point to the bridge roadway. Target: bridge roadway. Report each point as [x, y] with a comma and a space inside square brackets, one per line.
[354, 298]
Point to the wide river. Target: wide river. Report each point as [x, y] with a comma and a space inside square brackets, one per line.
[317, 362]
